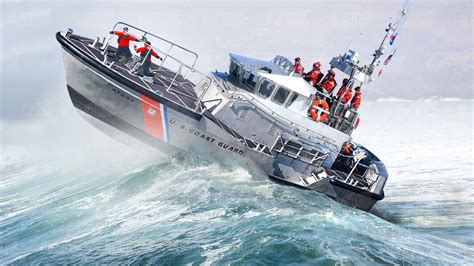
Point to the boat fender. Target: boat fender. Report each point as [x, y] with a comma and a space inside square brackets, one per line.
[318, 104]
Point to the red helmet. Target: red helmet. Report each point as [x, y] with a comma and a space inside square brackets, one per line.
[297, 59]
[332, 73]
[317, 65]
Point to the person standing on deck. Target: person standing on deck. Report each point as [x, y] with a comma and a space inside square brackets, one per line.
[329, 83]
[345, 93]
[343, 88]
[313, 76]
[298, 67]
[123, 49]
[145, 56]
[355, 102]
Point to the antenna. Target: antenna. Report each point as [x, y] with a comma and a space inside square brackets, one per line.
[392, 32]
[349, 62]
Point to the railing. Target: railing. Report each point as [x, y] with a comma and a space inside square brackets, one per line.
[199, 81]
[299, 152]
[366, 180]
[338, 116]
[145, 34]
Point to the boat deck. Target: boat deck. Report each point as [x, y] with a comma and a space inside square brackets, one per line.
[166, 83]
[180, 92]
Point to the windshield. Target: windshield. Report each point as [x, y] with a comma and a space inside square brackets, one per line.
[281, 95]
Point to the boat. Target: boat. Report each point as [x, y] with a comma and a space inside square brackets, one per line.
[259, 112]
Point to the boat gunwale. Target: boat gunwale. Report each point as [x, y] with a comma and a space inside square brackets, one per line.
[92, 62]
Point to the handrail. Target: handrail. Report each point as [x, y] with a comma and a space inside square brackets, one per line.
[158, 37]
[351, 177]
[332, 113]
[204, 90]
[308, 150]
[167, 55]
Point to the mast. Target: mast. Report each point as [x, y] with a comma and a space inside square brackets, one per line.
[349, 62]
[391, 33]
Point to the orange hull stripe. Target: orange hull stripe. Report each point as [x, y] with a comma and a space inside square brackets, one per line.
[152, 117]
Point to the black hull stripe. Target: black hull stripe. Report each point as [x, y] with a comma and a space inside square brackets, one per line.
[92, 109]
[127, 83]
[357, 190]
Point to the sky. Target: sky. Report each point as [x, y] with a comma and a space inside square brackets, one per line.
[434, 56]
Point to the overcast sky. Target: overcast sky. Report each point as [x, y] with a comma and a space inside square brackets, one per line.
[434, 57]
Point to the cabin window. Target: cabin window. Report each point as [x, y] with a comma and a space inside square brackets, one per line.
[266, 88]
[281, 95]
[249, 80]
[292, 99]
[299, 104]
[234, 70]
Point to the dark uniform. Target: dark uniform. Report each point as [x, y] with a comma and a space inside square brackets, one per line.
[123, 50]
[145, 56]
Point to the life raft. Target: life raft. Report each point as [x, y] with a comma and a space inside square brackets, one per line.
[318, 105]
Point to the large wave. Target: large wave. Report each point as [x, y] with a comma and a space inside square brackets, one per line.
[71, 194]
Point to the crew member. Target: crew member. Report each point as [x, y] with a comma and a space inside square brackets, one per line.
[123, 40]
[346, 162]
[298, 67]
[145, 54]
[355, 102]
[345, 93]
[329, 83]
[348, 149]
[313, 76]
[343, 88]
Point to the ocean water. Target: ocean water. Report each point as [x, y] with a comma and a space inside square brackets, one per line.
[70, 194]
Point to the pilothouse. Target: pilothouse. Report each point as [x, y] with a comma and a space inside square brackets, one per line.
[291, 125]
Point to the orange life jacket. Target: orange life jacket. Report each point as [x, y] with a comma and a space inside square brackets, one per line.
[144, 52]
[312, 76]
[355, 103]
[124, 38]
[329, 85]
[298, 68]
[347, 96]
